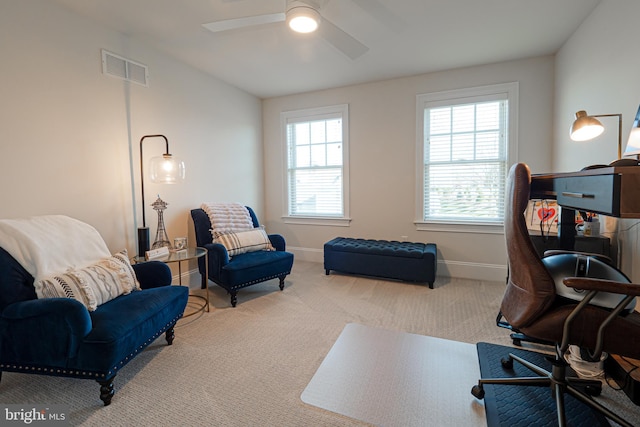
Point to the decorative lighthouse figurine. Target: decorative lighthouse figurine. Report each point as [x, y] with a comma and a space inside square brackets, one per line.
[162, 240]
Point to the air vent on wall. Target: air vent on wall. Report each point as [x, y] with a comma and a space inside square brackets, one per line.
[123, 68]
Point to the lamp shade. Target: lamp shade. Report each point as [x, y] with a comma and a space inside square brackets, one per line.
[633, 144]
[303, 19]
[585, 127]
[166, 169]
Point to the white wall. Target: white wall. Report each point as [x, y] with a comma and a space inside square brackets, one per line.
[598, 70]
[382, 160]
[69, 135]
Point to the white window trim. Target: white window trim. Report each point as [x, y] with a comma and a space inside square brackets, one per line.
[450, 97]
[313, 220]
[461, 227]
[285, 116]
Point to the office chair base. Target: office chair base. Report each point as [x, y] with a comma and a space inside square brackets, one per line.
[557, 381]
[478, 391]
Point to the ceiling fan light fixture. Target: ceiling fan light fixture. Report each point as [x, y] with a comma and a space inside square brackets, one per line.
[303, 19]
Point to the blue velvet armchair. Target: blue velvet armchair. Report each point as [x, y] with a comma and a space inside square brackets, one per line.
[60, 337]
[244, 269]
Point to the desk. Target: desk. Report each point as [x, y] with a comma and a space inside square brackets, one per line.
[179, 257]
[611, 191]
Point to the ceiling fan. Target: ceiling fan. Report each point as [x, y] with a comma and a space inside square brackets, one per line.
[307, 12]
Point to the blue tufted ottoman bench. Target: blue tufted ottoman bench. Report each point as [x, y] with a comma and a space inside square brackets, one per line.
[411, 262]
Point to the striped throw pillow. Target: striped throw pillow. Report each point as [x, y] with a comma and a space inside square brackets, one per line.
[244, 241]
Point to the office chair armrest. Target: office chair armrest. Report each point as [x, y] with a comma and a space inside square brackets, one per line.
[602, 285]
[630, 290]
[600, 257]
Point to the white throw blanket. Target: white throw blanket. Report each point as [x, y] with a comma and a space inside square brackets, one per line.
[51, 244]
[228, 217]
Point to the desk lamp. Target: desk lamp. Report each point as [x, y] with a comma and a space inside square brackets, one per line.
[164, 169]
[586, 127]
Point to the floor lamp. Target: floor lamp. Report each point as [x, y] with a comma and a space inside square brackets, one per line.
[164, 169]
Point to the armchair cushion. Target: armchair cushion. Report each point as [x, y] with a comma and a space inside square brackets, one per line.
[244, 241]
[255, 267]
[120, 325]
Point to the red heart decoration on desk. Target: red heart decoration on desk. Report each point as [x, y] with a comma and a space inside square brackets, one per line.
[546, 213]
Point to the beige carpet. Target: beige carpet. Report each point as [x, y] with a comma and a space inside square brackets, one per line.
[249, 365]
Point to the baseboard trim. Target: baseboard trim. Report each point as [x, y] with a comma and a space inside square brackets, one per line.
[472, 270]
[307, 254]
[446, 268]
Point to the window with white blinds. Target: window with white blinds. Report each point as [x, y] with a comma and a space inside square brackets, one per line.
[465, 155]
[316, 147]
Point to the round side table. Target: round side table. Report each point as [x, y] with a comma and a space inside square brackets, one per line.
[179, 257]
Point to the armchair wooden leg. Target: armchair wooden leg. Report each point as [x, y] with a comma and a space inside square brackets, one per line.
[282, 282]
[170, 335]
[234, 299]
[106, 391]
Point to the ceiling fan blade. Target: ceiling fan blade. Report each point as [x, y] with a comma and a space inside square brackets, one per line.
[248, 21]
[341, 40]
[382, 14]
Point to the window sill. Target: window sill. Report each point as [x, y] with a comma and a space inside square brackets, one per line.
[461, 227]
[314, 220]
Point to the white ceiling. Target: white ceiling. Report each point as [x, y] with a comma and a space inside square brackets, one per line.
[413, 37]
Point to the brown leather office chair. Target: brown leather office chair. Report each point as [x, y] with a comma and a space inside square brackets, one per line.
[531, 305]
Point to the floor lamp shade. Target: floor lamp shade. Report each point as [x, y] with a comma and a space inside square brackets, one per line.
[164, 169]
